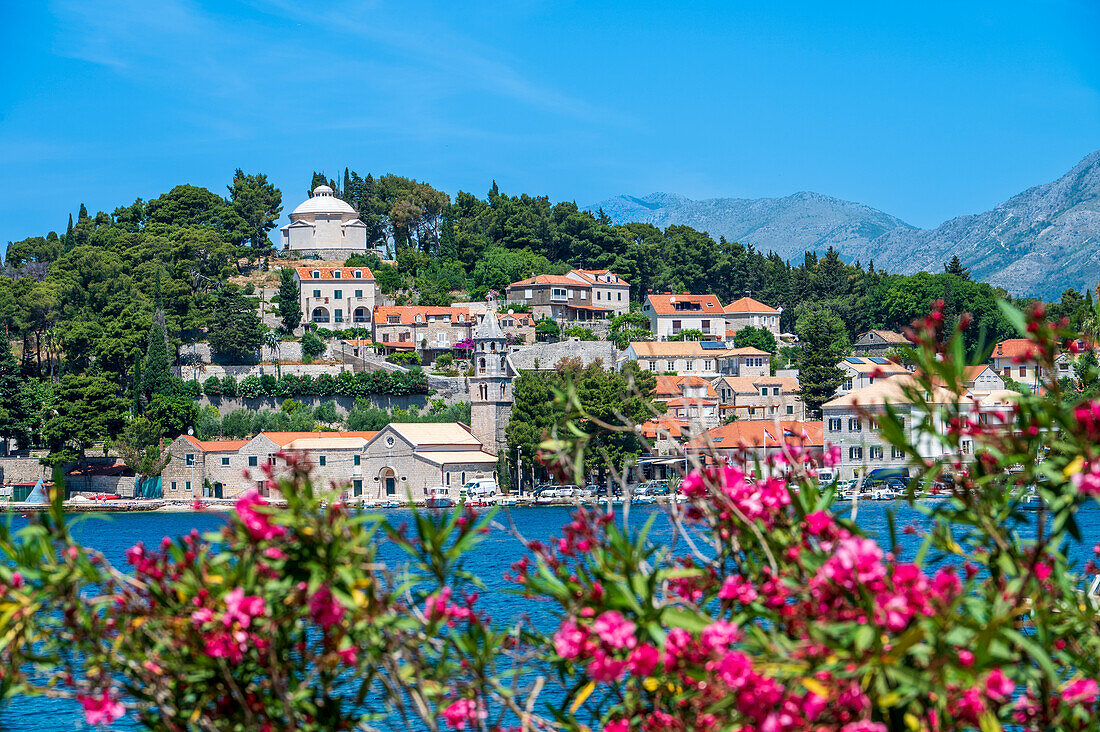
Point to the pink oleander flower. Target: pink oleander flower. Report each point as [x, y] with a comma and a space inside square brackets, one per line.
[864, 726]
[464, 713]
[102, 709]
[617, 725]
[1087, 481]
[241, 608]
[1080, 691]
[856, 561]
[831, 457]
[324, 608]
[966, 658]
[999, 687]
[643, 660]
[258, 524]
[719, 635]
[604, 668]
[569, 640]
[818, 522]
[347, 655]
[614, 630]
[736, 587]
[202, 615]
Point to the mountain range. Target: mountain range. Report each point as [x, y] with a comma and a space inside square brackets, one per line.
[1037, 243]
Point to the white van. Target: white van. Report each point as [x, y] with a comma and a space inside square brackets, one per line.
[479, 489]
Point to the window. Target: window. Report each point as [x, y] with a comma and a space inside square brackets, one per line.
[671, 366]
[775, 391]
[358, 293]
[338, 294]
[876, 452]
[336, 274]
[848, 384]
[598, 295]
[855, 453]
[620, 297]
[225, 461]
[527, 294]
[790, 409]
[321, 461]
[187, 486]
[173, 485]
[252, 461]
[1023, 371]
[190, 458]
[763, 391]
[316, 274]
[834, 424]
[356, 460]
[676, 326]
[653, 366]
[584, 294]
[706, 365]
[752, 411]
[559, 293]
[358, 274]
[338, 316]
[689, 365]
[854, 425]
[316, 293]
[357, 487]
[706, 326]
[897, 453]
[966, 447]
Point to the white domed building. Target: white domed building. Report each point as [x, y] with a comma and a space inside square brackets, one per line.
[325, 226]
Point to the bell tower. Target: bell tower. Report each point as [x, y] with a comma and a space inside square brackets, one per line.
[491, 384]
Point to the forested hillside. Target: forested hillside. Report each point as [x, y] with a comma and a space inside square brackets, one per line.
[82, 303]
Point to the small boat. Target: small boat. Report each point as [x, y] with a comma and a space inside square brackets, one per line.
[439, 497]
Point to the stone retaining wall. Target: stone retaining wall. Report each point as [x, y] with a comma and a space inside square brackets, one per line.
[343, 404]
[239, 371]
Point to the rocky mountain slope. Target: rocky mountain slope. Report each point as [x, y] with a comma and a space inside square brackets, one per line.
[1040, 242]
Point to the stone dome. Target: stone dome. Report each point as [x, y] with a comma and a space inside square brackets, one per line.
[323, 202]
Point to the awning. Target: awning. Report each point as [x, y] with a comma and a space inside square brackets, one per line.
[594, 308]
[400, 345]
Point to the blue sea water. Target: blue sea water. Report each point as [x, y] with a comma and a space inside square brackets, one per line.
[114, 534]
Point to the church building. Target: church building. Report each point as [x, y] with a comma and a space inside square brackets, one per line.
[491, 385]
[325, 226]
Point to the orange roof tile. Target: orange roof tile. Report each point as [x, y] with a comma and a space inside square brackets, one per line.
[664, 423]
[749, 305]
[546, 279]
[216, 445]
[1020, 348]
[759, 433]
[407, 314]
[328, 273]
[666, 304]
[283, 439]
[692, 401]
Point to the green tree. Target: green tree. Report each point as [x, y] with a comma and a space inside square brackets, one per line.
[156, 372]
[547, 330]
[17, 410]
[824, 343]
[288, 298]
[256, 204]
[955, 267]
[312, 346]
[752, 337]
[143, 448]
[236, 332]
[88, 409]
[172, 415]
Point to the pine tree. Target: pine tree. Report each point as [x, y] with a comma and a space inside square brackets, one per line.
[289, 300]
[824, 343]
[69, 234]
[956, 268]
[156, 376]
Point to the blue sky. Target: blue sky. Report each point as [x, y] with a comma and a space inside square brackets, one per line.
[924, 110]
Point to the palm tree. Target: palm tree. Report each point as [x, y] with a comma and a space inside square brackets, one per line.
[274, 342]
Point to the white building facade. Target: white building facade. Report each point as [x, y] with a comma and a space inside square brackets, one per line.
[324, 226]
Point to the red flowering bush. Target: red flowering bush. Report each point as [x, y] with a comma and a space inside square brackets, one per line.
[767, 610]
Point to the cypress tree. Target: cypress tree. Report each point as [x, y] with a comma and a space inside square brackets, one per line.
[69, 234]
[824, 343]
[156, 376]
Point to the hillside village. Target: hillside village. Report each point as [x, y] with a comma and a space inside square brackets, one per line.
[713, 374]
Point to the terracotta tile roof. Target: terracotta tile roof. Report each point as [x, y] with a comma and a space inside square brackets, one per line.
[749, 305]
[745, 351]
[328, 273]
[887, 335]
[592, 275]
[399, 344]
[666, 304]
[216, 445]
[666, 425]
[282, 439]
[752, 384]
[662, 349]
[866, 366]
[545, 279]
[407, 314]
[1020, 348]
[758, 433]
[692, 401]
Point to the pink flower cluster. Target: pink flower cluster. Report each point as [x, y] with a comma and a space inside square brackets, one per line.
[1087, 481]
[324, 608]
[438, 607]
[258, 523]
[233, 637]
[101, 709]
[464, 713]
[754, 499]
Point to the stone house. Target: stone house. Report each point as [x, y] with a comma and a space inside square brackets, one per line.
[744, 361]
[608, 289]
[409, 459]
[665, 434]
[520, 327]
[429, 331]
[862, 449]
[862, 371]
[677, 357]
[560, 297]
[878, 342]
[336, 297]
[759, 397]
[669, 315]
[746, 311]
[690, 399]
